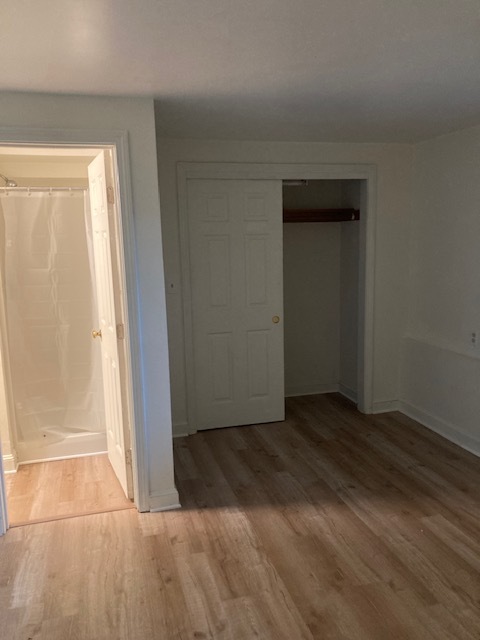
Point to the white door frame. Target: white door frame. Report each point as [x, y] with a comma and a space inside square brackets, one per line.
[118, 139]
[288, 171]
[3, 498]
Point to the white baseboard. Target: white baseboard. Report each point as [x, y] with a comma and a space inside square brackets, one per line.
[164, 502]
[311, 390]
[448, 431]
[348, 393]
[180, 430]
[386, 406]
[10, 464]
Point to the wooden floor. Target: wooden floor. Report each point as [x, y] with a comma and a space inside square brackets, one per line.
[330, 526]
[63, 488]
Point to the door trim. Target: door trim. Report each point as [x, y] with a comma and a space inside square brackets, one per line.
[118, 139]
[287, 171]
[3, 498]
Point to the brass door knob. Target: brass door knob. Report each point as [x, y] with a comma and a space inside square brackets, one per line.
[96, 334]
[275, 319]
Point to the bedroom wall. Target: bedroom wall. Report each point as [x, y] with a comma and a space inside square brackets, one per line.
[441, 367]
[135, 116]
[393, 162]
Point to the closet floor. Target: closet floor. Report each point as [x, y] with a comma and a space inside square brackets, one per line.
[60, 489]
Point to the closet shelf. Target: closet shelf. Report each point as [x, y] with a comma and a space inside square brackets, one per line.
[320, 215]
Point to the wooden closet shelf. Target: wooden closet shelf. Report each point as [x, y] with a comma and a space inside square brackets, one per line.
[320, 215]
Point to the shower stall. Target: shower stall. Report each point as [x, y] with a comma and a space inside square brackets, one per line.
[49, 308]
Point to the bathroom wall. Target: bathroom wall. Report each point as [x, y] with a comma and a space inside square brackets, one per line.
[50, 170]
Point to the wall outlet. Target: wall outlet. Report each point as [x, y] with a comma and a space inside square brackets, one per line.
[474, 338]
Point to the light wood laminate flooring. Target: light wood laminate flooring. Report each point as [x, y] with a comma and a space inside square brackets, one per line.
[330, 526]
[63, 489]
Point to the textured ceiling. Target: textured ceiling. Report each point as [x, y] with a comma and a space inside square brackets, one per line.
[333, 70]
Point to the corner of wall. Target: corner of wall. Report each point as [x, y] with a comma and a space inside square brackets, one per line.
[439, 367]
[165, 501]
[180, 429]
[442, 428]
[10, 462]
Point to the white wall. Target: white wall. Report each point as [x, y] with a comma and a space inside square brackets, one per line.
[136, 116]
[349, 290]
[7, 413]
[311, 291]
[6, 438]
[441, 370]
[35, 171]
[394, 189]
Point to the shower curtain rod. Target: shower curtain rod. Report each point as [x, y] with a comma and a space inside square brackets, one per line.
[49, 189]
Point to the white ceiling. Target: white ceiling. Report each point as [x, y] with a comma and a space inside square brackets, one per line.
[333, 70]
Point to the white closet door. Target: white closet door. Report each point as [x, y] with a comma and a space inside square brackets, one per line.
[235, 236]
[100, 209]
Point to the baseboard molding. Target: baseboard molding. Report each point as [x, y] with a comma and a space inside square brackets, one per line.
[311, 390]
[448, 431]
[348, 393]
[180, 430]
[164, 502]
[386, 406]
[10, 464]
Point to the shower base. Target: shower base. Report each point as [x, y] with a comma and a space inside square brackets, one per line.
[55, 445]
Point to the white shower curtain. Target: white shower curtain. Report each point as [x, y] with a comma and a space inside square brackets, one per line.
[55, 364]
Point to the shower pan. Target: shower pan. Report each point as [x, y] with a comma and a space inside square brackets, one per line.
[49, 296]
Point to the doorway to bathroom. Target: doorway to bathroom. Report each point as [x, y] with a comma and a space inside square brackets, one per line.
[65, 430]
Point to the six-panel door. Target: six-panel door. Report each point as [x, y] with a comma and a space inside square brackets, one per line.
[99, 209]
[235, 238]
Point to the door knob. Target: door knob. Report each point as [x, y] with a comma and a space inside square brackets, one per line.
[275, 319]
[97, 334]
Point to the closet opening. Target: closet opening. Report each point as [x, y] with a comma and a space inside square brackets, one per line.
[267, 316]
[321, 244]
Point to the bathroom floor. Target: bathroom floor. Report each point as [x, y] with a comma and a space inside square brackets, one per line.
[60, 489]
